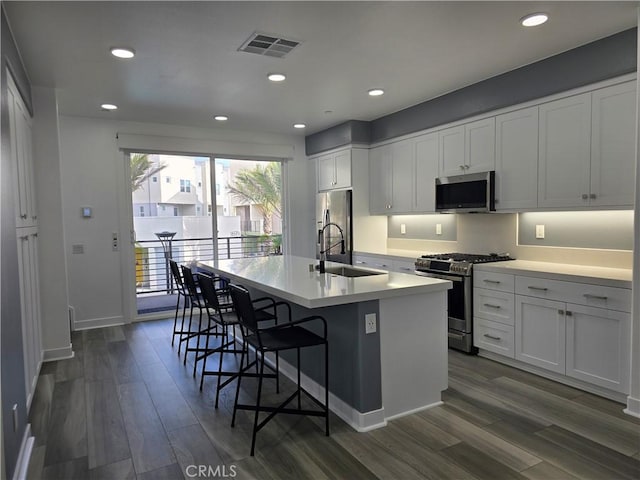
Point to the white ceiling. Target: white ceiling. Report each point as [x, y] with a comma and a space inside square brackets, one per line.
[188, 66]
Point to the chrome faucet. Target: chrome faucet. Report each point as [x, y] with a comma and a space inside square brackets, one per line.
[324, 249]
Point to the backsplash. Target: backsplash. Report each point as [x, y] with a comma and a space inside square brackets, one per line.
[485, 233]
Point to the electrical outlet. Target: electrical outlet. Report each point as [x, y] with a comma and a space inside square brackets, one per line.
[438, 229]
[403, 228]
[114, 241]
[539, 231]
[370, 323]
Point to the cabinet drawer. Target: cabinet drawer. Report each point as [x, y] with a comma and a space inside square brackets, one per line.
[404, 266]
[381, 263]
[494, 305]
[580, 293]
[502, 282]
[493, 336]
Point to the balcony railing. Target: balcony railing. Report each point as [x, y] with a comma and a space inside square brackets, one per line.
[152, 266]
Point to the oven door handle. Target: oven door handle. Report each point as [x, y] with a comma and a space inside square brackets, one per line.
[440, 276]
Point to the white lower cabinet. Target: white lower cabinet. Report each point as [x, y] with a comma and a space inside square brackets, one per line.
[598, 346]
[540, 333]
[581, 331]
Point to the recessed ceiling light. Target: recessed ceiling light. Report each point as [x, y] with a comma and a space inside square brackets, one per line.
[221, 118]
[122, 52]
[534, 19]
[376, 92]
[299, 125]
[276, 77]
[108, 106]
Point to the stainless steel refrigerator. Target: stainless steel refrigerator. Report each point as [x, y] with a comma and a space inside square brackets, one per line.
[333, 228]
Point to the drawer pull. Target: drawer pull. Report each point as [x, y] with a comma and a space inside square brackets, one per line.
[541, 289]
[560, 312]
[491, 305]
[492, 337]
[569, 313]
[595, 297]
[491, 281]
[407, 269]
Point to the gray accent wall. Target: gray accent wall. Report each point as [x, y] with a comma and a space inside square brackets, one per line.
[596, 61]
[353, 131]
[609, 230]
[423, 227]
[12, 372]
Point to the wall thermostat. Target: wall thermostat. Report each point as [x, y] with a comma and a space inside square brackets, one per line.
[86, 212]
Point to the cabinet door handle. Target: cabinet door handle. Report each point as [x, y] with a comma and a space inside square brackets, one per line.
[560, 312]
[461, 167]
[23, 216]
[585, 196]
[569, 313]
[542, 289]
[466, 167]
[496, 282]
[492, 337]
[360, 262]
[491, 305]
[592, 195]
[595, 297]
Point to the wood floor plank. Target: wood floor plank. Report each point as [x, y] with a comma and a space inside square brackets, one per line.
[609, 431]
[36, 463]
[622, 465]
[67, 432]
[96, 359]
[170, 472]
[604, 405]
[70, 368]
[113, 334]
[172, 408]
[150, 448]
[107, 438]
[192, 447]
[143, 351]
[546, 471]
[41, 407]
[75, 469]
[504, 452]
[552, 453]
[478, 462]
[123, 365]
[423, 432]
[122, 470]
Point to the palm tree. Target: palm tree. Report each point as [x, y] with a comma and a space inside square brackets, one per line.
[141, 169]
[261, 187]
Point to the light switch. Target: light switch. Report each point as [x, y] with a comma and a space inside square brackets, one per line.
[77, 249]
[438, 229]
[87, 212]
[403, 228]
[539, 231]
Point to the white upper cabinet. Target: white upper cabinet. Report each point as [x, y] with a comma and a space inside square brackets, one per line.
[22, 158]
[392, 178]
[613, 145]
[467, 148]
[334, 170]
[563, 170]
[517, 160]
[426, 173]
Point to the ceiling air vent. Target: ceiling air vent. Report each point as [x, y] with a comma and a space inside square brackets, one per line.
[269, 45]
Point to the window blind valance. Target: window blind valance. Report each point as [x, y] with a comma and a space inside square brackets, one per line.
[203, 147]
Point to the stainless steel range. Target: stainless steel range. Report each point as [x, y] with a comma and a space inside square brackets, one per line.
[458, 268]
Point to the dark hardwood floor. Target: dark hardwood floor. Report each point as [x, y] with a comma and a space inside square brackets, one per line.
[125, 407]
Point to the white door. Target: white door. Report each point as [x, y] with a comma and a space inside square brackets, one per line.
[380, 180]
[426, 171]
[564, 152]
[326, 172]
[598, 346]
[342, 167]
[517, 159]
[613, 146]
[452, 151]
[402, 177]
[480, 146]
[540, 333]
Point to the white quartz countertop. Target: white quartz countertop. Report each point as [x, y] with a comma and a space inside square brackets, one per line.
[612, 277]
[289, 278]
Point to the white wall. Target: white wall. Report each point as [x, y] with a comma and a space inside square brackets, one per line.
[92, 175]
[54, 299]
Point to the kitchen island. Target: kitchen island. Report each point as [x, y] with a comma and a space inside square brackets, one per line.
[399, 368]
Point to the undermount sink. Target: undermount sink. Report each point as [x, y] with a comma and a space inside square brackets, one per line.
[351, 272]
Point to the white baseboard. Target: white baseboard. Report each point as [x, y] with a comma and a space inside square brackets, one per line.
[361, 422]
[98, 323]
[24, 456]
[633, 407]
[415, 410]
[57, 354]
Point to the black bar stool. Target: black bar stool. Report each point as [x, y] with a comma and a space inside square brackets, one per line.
[182, 293]
[285, 336]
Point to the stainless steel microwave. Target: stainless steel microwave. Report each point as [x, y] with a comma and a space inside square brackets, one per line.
[470, 193]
